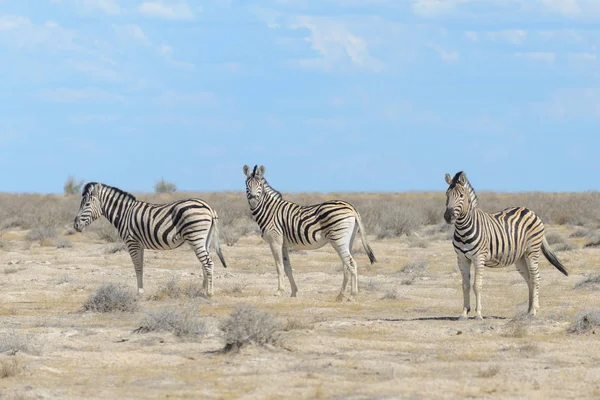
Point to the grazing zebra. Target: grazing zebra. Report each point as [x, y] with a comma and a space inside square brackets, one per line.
[284, 224]
[512, 236]
[143, 225]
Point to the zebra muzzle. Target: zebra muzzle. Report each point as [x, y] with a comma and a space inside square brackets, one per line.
[449, 215]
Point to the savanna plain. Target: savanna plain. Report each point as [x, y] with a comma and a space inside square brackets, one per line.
[72, 327]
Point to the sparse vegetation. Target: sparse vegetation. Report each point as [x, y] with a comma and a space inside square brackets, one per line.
[163, 186]
[415, 268]
[115, 248]
[110, 297]
[248, 325]
[12, 342]
[558, 242]
[172, 289]
[390, 294]
[72, 186]
[489, 372]
[302, 323]
[42, 234]
[590, 281]
[64, 244]
[180, 323]
[108, 233]
[9, 367]
[585, 322]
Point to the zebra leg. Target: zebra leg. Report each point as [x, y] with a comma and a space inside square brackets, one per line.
[465, 270]
[207, 265]
[136, 252]
[478, 267]
[288, 270]
[524, 271]
[350, 270]
[534, 286]
[277, 250]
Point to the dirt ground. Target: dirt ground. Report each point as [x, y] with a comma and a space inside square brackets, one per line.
[399, 339]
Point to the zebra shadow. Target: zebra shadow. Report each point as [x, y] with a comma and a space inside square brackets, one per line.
[489, 317]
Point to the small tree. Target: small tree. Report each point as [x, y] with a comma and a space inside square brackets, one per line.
[72, 186]
[163, 186]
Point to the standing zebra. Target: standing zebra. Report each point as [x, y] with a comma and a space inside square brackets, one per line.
[143, 225]
[284, 224]
[512, 236]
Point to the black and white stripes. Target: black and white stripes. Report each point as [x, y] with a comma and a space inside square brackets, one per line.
[512, 236]
[285, 224]
[143, 225]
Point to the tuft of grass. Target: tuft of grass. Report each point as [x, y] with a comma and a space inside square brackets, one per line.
[408, 281]
[488, 372]
[118, 247]
[12, 270]
[559, 242]
[584, 233]
[415, 267]
[172, 289]
[163, 186]
[63, 244]
[248, 325]
[63, 279]
[110, 297]
[585, 322]
[516, 328]
[12, 342]
[237, 288]
[9, 367]
[529, 349]
[41, 234]
[370, 286]
[180, 323]
[390, 294]
[301, 323]
[590, 281]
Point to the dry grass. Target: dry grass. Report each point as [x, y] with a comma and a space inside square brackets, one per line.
[585, 322]
[181, 323]
[489, 372]
[590, 281]
[110, 297]
[248, 325]
[9, 367]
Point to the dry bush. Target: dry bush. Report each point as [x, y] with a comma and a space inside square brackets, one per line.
[41, 234]
[248, 325]
[370, 286]
[415, 268]
[118, 247]
[108, 233]
[233, 232]
[584, 233]
[236, 288]
[12, 270]
[302, 323]
[72, 186]
[515, 328]
[12, 342]
[558, 242]
[489, 372]
[530, 349]
[110, 297]
[390, 294]
[586, 321]
[163, 186]
[64, 244]
[590, 281]
[180, 323]
[9, 367]
[172, 289]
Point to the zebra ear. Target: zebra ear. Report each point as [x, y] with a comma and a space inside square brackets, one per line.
[247, 171]
[261, 171]
[448, 179]
[462, 178]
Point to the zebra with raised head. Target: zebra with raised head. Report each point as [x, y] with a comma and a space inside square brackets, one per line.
[284, 224]
[512, 236]
[144, 225]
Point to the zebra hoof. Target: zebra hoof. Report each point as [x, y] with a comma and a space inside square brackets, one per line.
[293, 295]
[278, 293]
[479, 317]
[463, 317]
[339, 298]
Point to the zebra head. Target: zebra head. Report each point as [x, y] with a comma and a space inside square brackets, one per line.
[90, 208]
[255, 184]
[458, 199]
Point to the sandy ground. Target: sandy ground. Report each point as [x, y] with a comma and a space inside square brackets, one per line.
[410, 346]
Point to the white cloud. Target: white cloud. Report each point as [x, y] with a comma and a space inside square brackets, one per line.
[571, 103]
[132, 31]
[446, 56]
[11, 22]
[472, 36]
[51, 25]
[109, 7]
[159, 9]
[513, 36]
[166, 52]
[334, 42]
[582, 57]
[565, 7]
[538, 56]
[431, 8]
[90, 94]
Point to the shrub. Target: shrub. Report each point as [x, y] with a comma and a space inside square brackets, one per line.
[9, 366]
[180, 323]
[489, 372]
[302, 323]
[116, 248]
[110, 297]
[163, 186]
[415, 267]
[592, 280]
[64, 244]
[12, 342]
[248, 325]
[390, 294]
[585, 322]
[558, 242]
[172, 289]
[41, 234]
[71, 186]
[109, 233]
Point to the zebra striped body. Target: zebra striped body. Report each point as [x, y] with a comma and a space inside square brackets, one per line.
[284, 224]
[512, 236]
[143, 225]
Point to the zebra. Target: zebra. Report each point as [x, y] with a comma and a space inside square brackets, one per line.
[512, 236]
[144, 225]
[284, 224]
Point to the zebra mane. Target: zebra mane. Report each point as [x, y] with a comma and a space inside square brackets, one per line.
[88, 188]
[467, 184]
[270, 191]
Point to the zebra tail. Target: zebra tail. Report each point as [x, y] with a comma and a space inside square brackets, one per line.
[215, 233]
[550, 256]
[363, 238]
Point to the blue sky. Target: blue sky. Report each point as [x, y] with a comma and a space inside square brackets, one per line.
[330, 95]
